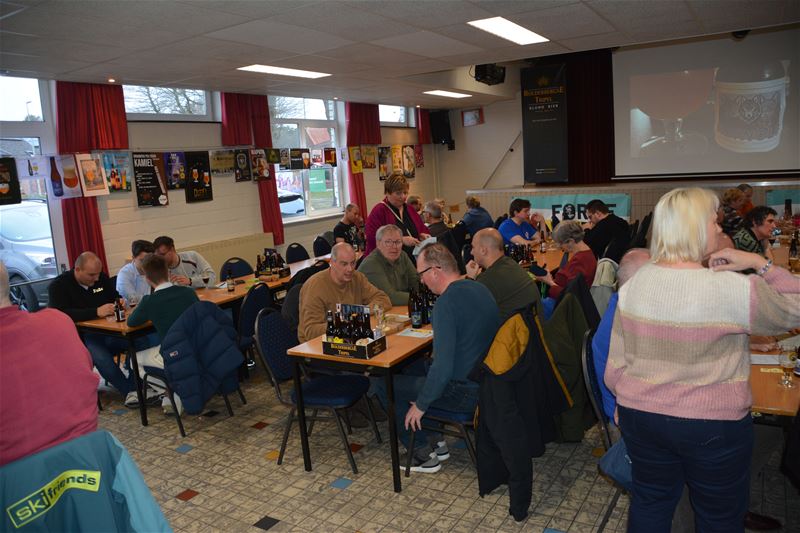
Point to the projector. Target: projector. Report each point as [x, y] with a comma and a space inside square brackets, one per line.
[490, 74]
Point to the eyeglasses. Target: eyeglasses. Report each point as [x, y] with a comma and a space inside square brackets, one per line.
[422, 273]
[392, 243]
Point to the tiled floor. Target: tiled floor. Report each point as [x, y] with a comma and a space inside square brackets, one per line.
[223, 477]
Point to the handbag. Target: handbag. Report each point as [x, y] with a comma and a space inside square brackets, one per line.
[616, 464]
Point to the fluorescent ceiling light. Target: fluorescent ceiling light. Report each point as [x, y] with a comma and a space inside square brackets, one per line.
[508, 30]
[280, 71]
[448, 94]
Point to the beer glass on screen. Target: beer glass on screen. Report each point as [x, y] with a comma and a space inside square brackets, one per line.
[671, 97]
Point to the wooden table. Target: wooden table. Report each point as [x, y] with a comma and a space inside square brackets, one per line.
[769, 396]
[399, 352]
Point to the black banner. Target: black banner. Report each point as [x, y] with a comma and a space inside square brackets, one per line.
[544, 123]
[149, 178]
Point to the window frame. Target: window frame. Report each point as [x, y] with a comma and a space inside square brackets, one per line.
[212, 113]
[410, 121]
[302, 123]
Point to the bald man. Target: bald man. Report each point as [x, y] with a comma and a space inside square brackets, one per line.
[508, 282]
[86, 293]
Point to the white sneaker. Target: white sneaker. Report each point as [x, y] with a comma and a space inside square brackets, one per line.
[132, 400]
[441, 451]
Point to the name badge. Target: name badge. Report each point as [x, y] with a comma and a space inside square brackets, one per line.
[98, 289]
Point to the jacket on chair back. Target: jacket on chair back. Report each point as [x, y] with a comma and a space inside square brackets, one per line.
[521, 391]
[201, 356]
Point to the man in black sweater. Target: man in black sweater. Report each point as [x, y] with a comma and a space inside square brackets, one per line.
[605, 230]
[86, 293]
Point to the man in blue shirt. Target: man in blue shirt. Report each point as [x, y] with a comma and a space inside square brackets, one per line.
[465, 320]
[131, 283]
[516, 229]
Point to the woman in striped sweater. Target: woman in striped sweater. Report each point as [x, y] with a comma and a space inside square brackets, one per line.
[679, 365]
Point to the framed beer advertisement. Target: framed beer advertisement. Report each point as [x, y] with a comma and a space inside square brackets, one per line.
[330, 156]
[384, 155]
[222, 164]
[9, 182]
[63, 182]
[148, 176]
[92, 174]
[369, 154]
[258, 162]
[241, 168]
[175, 167]
[198, 180]
[117, 166]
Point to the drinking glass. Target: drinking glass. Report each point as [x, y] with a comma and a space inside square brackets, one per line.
[205, 281]
[380, 317]
[787, 362]
[131, 301]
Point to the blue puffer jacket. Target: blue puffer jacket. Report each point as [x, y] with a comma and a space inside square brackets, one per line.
[200, 355]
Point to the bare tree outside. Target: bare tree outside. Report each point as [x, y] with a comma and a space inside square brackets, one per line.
[164, 100]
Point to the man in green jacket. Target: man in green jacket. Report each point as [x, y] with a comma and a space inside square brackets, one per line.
[390, 269]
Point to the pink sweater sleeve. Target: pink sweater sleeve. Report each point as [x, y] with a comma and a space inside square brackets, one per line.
[774, 302]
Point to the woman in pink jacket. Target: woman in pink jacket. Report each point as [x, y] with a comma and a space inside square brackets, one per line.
[394, 210]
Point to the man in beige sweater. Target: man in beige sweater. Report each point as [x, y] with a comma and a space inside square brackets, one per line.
[340, 283]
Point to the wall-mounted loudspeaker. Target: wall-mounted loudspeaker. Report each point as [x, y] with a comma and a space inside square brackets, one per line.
[440, 127]
[490, 74]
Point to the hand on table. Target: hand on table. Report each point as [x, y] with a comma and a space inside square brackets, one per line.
[180, 280]
[105, 310]
[473, 269]
[414, 417]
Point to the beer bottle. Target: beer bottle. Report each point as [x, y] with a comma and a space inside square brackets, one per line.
[426, 319]
[55, 178]
[230, 284]
[338, 328]
[366, 325]
[793, 246]
[330, 331]
[415, 309]
[119, 310]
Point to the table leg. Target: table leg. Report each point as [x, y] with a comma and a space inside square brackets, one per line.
[140, 393]
[301, 415]
[391, 416]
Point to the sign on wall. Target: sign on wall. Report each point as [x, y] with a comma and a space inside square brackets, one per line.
[778, 199]
[149, 178]
[573, 206]
[544, 123]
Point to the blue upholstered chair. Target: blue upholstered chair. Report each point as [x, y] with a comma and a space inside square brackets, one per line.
[239, 267]
[321, 246]
[296, 252]
[257, 298]
[323, 393]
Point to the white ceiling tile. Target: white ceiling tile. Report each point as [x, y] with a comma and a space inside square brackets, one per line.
[596, 42]
[280, 36]
[509, 53]
[727, 15]
[339, 19]
[511, 7]
[38, 63]
[426, 43]
[563, 22]
[371, 54]
[427, 14]
[58, 48]
[243, 53]
[251, 9]
[321, 64]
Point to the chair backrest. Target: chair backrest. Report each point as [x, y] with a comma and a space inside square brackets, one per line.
[290, 310]
[256, 299]
[499, 220]
[321, 246]
[640, 240]
[238, 266]
[328, 236]
[300, 277]
[590, 379]
[296, 252]
[633, 228]
[273, 338]
[460, 232]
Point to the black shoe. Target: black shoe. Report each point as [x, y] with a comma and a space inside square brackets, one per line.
[760, 522]
[427, 463]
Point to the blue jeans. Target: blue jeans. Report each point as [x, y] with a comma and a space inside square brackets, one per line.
[103, 348]
[712, 457]
[458, 397]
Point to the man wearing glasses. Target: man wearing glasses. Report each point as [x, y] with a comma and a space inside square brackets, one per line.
[340, 283]
[390, 269]
[465, 320]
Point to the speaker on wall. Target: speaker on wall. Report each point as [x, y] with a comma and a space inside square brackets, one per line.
[490, 74]
[440, 127]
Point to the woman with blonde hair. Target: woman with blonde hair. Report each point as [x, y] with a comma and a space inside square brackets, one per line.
[732, 201]
[679, 365]
[393, 209]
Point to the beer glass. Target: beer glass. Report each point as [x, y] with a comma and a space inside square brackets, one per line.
[787, 361]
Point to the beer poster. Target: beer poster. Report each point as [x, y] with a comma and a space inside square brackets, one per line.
[419, 155]
[242, 170]
[369, 153]
[117, 166]
[316, 156]
[92, 175]
[63, 182]
[222, 163]
[286, 159]
[148, 176]
[198, 178]
[258, 162]
[273, 156]
[355, 160]
[544, 123]
[397, 158]
[9, 182]
[343, 153]
[296, 157]
[330, 156]
[409, 161]
[36, 167]
[175, 167]
[384, 153]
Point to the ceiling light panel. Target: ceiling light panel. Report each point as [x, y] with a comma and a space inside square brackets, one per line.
[281, 71]
[508, 30]
[448, 94]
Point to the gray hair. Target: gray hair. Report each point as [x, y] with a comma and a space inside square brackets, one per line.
[437, 255]
[433, 209]
[568, 230]
[5, 296]
[388, 228]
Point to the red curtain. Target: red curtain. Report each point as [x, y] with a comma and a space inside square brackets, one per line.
[363, 126]
[423, 126]
[245, 121]
[88, 117]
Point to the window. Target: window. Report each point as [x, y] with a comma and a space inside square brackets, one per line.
[308, 123]
[397, 116]
[167, 103]
[26, 236]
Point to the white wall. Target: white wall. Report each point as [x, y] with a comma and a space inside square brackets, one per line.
[235, 211]
[482, 151]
